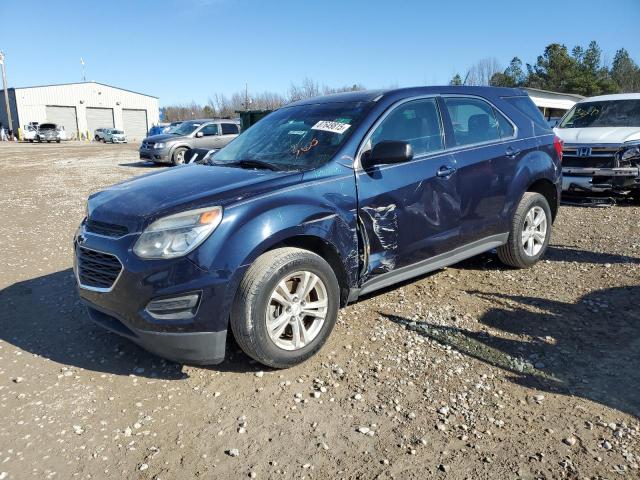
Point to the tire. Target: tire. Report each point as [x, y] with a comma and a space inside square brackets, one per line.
[31, 140]
[516, 253]
[58, 141]
[96, 138]
[255, 304]
[178, 157]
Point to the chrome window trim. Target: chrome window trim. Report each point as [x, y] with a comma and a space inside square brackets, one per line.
[97, 289]
[361, 149]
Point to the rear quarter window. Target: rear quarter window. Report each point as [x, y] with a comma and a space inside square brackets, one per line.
[525, 105]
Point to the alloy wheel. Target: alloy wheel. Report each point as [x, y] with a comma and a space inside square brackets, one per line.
[534, 231]
[296, 310]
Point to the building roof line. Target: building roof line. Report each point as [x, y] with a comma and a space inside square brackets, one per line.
[81, 83]
[557, 94]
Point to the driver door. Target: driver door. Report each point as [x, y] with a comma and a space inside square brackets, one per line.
[410, 211]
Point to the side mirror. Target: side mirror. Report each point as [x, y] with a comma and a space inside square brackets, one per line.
[387, 152]
[199, 135]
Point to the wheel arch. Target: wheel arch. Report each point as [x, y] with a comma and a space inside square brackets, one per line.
[324, 249]
[548, 190]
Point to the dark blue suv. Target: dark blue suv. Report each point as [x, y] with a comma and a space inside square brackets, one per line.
[318, 203]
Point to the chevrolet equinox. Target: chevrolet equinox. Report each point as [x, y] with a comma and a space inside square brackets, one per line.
[320, 202]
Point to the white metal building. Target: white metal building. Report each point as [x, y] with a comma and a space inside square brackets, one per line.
[553, 104]
[83, 107]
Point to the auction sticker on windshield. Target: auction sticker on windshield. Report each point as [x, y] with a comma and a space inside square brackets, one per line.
[327, 126]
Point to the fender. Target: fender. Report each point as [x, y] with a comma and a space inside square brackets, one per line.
[250, 228]
[532, 167]
[177, 145]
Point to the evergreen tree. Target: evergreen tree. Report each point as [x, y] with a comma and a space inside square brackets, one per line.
[456, 80]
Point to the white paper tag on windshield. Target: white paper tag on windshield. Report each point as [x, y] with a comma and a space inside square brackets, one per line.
[327, 126]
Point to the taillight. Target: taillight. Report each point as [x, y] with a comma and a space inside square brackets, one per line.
[557, 144]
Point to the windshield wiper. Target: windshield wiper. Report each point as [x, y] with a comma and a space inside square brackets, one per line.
[248, 163]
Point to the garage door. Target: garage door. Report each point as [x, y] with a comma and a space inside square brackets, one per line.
[99, 118]
[135, 124]
[65, 116]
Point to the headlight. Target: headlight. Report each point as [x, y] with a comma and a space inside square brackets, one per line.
[159, 145]
[177, 235]
[631, 153]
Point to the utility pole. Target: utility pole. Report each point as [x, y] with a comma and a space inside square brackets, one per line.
[84, 78]
[6, 90]
[247, 100]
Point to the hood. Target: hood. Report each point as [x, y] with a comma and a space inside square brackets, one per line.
[137, 202]
[591, 135]
[162, 137]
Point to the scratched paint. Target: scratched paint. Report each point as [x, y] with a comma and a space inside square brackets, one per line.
[384, 247]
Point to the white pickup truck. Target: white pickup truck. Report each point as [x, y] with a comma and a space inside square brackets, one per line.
[601, 150]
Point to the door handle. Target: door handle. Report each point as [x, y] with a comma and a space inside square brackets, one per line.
[445, 171]
[512, 152]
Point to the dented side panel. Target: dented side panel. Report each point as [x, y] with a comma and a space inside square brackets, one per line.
[408, 212]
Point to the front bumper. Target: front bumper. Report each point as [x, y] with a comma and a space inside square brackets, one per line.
[198, 348]
[586, 179]
[155, 155]
[122, 308]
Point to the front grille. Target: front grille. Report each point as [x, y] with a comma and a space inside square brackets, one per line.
[147, 145]
[96, 269]
[106, 229]
[598, 156]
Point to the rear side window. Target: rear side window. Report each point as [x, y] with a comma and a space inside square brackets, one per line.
[526, 106]
[229, 129]
[473, 120]
[504, 126]
[416, 122]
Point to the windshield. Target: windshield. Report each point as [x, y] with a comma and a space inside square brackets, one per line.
[299, 137]
[117, 132]
[185, 128]
[612, 113]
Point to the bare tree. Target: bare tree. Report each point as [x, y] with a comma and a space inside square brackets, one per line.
[481, 72]
[223, 106]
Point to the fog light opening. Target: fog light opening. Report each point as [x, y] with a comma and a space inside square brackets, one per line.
[182, 307]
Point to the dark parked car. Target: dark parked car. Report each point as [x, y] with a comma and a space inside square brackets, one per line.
[171, 147]
[317, 204]
[48, 132]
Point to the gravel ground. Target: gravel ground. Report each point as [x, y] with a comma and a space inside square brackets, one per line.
[475, 371]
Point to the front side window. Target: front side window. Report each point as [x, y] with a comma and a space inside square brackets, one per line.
[210, 130]
[472, 119]
[299, 137]
[611, 113]
[229, 129]
[416, 122]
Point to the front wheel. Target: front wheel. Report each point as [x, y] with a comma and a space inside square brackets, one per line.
[529, 234]
[286, 307]
[178, 156]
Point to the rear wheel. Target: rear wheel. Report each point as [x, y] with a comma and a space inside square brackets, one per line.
[529, 234]
[96, 138]
[178, 156]
[286, 307]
